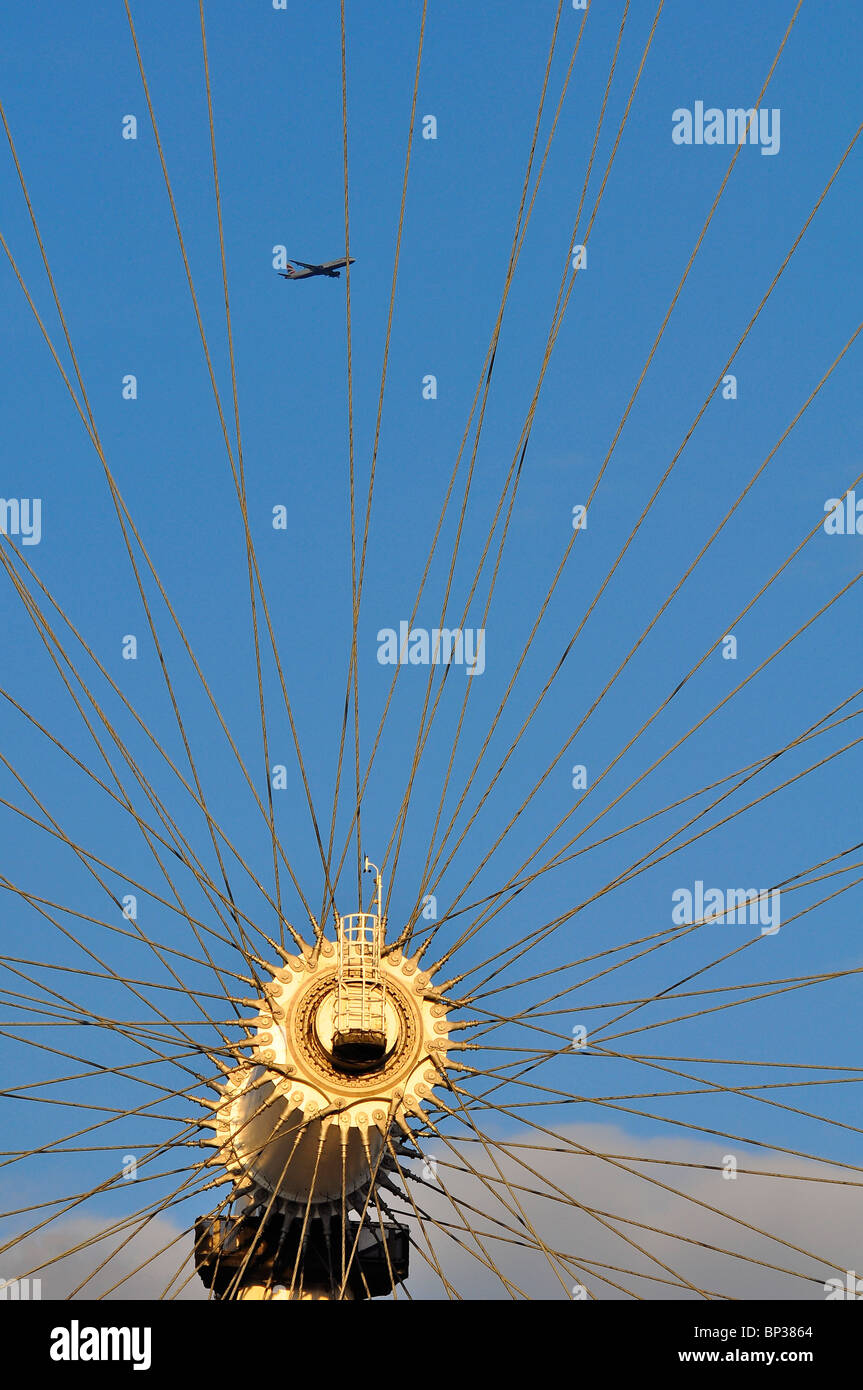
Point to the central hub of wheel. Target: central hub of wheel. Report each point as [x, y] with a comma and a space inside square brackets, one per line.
[347, 1044]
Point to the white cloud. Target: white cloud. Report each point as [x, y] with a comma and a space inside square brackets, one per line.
[160, 1248]
[822, 1219]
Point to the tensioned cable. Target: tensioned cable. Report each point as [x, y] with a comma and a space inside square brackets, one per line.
[644, 513]
[242, 477]
[350, 385]
[520, 1214]
[119, 502]
[646, 862]
[357, 578]
[606, 460]
[33, 608]
[672, 936]
[114, 494]
[141, 934]
[707, 544]
[47, 633]
[573, 1144]
[480, 422]
[485, 375]
[657, 1230]
[237, 483]
[39, 619]
[521, 448]
[753, 768]
[570, 1199]
[840, 593]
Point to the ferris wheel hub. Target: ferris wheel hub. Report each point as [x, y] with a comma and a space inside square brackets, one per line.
[339, 1061]
[348, 1042]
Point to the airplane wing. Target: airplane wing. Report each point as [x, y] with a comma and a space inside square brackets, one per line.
[333, 265]
[306, 266]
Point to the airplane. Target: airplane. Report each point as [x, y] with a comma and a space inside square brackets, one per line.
[329, 268]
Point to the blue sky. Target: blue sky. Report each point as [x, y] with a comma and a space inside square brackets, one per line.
[67, 82]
